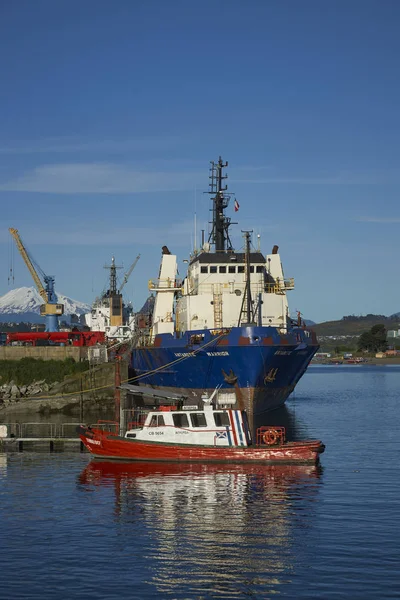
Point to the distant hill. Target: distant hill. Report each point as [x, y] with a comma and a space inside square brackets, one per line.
[354, 326]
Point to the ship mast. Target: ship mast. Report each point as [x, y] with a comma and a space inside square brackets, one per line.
[219, 235]
[113, 277]
[247, 313]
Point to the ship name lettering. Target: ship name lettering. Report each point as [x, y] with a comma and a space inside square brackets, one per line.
[283, 352]
[96, 442]
[224, 353]
[184, 354]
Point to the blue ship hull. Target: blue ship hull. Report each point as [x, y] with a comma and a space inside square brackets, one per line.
[260, 364]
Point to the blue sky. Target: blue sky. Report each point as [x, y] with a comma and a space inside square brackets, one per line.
[111, 111]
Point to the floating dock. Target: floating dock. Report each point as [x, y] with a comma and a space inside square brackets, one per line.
[40, 437]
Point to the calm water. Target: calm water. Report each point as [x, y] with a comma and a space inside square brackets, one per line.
[74, 529]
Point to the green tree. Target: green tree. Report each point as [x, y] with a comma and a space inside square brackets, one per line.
[373, 340]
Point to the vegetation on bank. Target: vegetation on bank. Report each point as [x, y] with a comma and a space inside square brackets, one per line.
[28, 370]
[373, 340]
[354, 326]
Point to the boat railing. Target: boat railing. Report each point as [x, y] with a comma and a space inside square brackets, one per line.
[112, 426]
[169, 283]
[280, 286]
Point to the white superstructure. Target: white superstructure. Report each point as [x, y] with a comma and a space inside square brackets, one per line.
[213, 295]
[109, 312]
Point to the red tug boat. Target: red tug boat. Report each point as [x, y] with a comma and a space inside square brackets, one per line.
[210, 434]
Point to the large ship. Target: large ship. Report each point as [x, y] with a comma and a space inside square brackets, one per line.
[110, 314]
[226, 325]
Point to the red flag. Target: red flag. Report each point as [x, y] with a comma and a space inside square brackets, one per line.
[236, 205]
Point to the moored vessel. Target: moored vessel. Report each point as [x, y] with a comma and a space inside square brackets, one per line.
[213, 434]
[226, 324]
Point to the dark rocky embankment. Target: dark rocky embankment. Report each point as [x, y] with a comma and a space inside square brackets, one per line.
[93, 387]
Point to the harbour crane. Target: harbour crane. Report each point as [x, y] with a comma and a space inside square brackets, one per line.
[129, 272]
[51, 309]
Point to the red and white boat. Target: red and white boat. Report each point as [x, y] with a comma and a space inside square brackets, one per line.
[198, 435]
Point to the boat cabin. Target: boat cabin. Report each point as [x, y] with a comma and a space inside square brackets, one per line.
[206, 427]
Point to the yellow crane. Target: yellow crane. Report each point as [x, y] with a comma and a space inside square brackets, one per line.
[51, 309]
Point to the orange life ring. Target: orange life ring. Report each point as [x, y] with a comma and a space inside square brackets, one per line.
[271, 437]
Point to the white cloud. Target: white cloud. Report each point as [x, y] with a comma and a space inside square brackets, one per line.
[74, 144]
[378, 219]
[100, 178]
[340, 179]
[104, 234]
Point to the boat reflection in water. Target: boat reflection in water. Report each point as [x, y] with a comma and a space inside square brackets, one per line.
[226, 529]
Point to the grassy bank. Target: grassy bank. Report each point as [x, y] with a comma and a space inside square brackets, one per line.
[28, 370]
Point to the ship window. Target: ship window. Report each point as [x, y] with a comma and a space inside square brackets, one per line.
[213, 269]
[157, 421]
[198, 420]
[203, 269]
[241, 269]
[222, 269]
[252, 269]
[259, 269]
[231, 269]
[180, 420]
[221, 419]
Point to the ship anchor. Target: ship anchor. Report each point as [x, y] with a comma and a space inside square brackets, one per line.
[230, 378]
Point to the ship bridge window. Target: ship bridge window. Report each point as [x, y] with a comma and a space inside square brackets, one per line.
[231, 269]
[157, 421]
[222, 269]
[198, 420]
[221, 419]
[213, 269]
[252, 269]
[203, 269]
[240, 269]
[259, 269]
[180, 420]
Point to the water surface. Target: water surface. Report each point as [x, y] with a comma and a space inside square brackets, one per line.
[74, 528]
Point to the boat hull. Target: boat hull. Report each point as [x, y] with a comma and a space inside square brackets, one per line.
[260, 364]
[113, 447]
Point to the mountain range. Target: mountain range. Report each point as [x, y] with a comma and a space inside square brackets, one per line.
[23, 304]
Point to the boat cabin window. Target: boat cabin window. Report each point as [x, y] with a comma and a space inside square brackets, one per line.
[259, 269]
[241, 269]
[222, 269]
[180, 420]
[221, 419]
[157, 421]
[203, 269]
[231, 269]
[213, 269]
[198, 419]
[252, 269]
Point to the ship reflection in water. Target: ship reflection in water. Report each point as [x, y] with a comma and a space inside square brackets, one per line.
[225, 528]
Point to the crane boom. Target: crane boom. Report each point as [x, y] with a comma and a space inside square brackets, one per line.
[51, 309]
[129, 272]
[28, 262]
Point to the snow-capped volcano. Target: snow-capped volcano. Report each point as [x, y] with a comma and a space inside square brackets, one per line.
[23, 304]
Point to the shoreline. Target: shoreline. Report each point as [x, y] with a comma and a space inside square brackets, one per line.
[369, 361]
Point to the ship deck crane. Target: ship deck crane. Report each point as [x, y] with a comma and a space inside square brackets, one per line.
[129, 272]
[51, 309]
